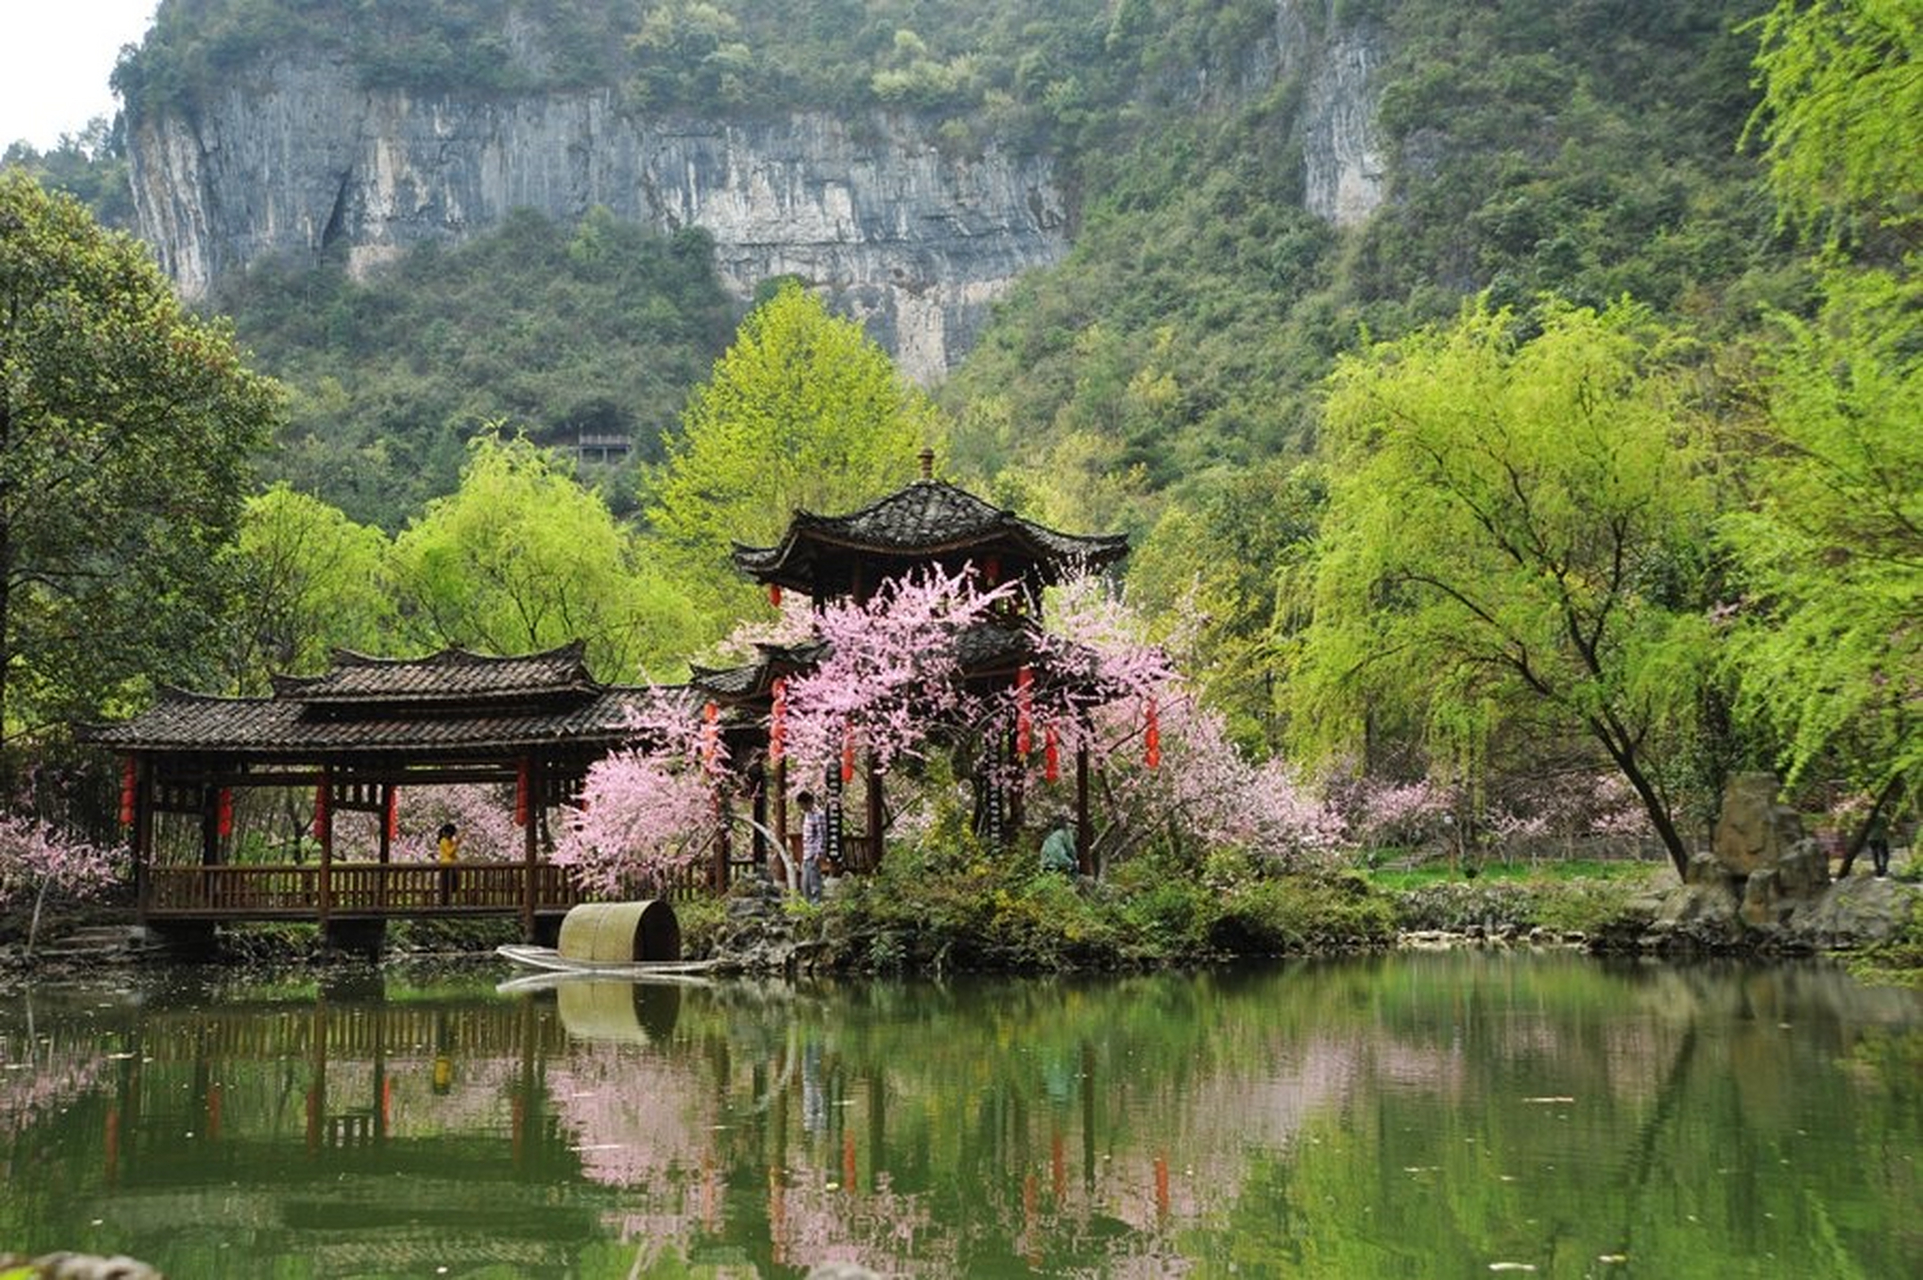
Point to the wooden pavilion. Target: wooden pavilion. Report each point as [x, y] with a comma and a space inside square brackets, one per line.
[929, 523]
[355, 736]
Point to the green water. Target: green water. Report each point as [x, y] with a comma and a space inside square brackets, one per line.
[1455, 1115]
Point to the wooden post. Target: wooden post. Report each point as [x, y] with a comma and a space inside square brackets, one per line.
[143, 834]
[530, 838]
[1084, 827]
[210, 826]
[876, 817]
[324, 798]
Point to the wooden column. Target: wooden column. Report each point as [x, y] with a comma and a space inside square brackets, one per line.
[324, 799]
[210, 826]
[1084, 826]
[529, 806]
[143, 833]
[876, 818]
[780, 785]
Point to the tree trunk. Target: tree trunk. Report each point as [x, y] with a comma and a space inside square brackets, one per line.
[1659, 816]
[1862, 836]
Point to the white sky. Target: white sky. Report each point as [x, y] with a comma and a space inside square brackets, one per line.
[55, 57]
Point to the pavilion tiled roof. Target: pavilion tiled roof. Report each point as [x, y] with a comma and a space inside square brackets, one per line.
[755, 680]
[928, 518]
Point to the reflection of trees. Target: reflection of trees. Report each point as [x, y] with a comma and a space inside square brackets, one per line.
[1412, 1114]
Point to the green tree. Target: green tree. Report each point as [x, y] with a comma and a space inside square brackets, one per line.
[307, 580]
[1842, 109]
[522, 558]
[1829, 645]
[1513, 534]
[803, 412]
[126, 430]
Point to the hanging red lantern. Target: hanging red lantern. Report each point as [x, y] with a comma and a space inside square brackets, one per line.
[992, 570]
[847, 753]
[1152, 739]
[521, 794]
[1024, 710]
[129, 787]
[224, 813]
[778, 722]
[393, 813]
[774, 594]
[1051, 755]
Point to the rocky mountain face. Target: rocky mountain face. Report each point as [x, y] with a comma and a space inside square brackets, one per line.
[298, 161]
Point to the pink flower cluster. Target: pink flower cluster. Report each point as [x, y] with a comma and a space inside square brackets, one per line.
[37, 857]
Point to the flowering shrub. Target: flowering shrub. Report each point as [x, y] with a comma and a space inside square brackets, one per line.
[37, 858]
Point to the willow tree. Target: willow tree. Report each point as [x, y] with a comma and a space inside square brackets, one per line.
[803, 412]
[1841, 115]
[1829, 545]
[126, 433]
[1513, 536]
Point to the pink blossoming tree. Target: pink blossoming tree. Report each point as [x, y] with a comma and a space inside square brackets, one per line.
[37, 858]
[891, 689]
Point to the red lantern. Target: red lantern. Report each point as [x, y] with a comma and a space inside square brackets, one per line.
[1051, 755]
[778, 722]
[393, 813]
[224, 813]
[1024, 708]
[521, 794]
[129, 787]
[992, 570]
[1152, 739]
[847, 753]
[774, 594]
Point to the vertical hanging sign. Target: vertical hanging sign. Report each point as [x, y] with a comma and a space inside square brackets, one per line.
[224, 813]
[1152, 739]
[393, 813]
[521, 781]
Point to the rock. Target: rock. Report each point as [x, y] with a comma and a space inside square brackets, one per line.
[1860, 911]
[1702, 916]
[1753, 830]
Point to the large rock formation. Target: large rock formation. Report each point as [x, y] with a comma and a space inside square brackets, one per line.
[1763, 884]
[296, 160]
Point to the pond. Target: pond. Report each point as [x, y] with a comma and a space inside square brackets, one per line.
[1429, 1114]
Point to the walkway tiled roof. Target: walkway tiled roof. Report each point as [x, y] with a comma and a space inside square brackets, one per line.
[452, 675]
[928, 518]
[447, 705]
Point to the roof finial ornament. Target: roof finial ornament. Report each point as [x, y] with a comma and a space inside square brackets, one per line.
[927, 456]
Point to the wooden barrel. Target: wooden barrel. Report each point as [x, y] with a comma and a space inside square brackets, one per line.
[620, 932]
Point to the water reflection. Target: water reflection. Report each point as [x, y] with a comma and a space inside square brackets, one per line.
[1419, 1115]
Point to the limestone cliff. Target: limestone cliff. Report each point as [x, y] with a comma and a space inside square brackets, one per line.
[296, 160]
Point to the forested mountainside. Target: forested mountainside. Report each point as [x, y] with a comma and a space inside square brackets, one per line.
[1202, 204]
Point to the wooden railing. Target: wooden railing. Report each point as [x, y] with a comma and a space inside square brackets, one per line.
[356, 889]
